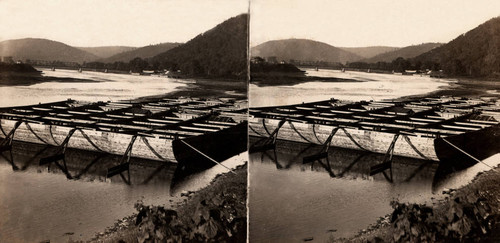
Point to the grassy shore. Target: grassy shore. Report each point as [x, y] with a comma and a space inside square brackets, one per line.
[216, 213]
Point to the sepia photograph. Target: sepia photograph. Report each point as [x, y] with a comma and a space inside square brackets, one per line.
[123, 121]
[262, 121]
[374, 121]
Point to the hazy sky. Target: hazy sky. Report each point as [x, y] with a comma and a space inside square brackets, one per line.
[114, 22]
[356, 23]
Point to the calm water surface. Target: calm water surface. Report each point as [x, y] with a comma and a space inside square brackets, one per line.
[374, 87]
[291, 201]
[101, 87]
[58, 202]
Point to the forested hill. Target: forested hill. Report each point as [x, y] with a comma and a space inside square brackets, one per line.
[474, 54]
[218, 53]
[107, 51]
[369, 51]
[142, 52]
[43, 49]
[405, 52]
[303, 50]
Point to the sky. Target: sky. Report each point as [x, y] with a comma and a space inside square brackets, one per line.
[114, 22]
[358, 23]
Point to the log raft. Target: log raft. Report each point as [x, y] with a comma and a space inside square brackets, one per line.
[408, 128]
[110, 127]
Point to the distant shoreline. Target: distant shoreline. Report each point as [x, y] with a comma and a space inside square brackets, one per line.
[207, 89]
[102, 70]
[200, 87]
[462, 88]
[27, 80]
[277, 80]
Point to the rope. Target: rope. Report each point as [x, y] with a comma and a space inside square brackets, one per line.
[206, 156]
[315, 135]
[152, 149]
[255, 131]
[36, 135]
[1, 128]
[453, 145]
[415, 148]
[90, 141]
[265, 127]
[9, 137]
[293, 127]
[52, 135]
[352, 139]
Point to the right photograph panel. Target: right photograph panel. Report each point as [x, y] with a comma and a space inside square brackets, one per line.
[374, 121]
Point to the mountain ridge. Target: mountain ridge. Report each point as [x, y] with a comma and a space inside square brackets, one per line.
[404, 52]
[218, 52]
[303, 50]
[107, 51]
[475, 53]
[43, 49]
[369, 51]
[144, 52]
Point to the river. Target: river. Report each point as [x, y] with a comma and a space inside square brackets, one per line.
[373, 87]
[294, 202]
[336, 198]
[74, 200]
[88, 86]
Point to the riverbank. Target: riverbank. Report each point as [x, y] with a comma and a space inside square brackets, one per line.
[31, 79]
[214, 213]
[462, 88]
[207, 88]
[264, 80]
[201, 87]
[471, 213]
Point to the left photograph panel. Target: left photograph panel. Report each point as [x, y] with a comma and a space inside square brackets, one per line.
[123, 121]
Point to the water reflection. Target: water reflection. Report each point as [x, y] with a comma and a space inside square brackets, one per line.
[87, 165]
[73, 198]
[292, 199]
[335, 196]
[346, 163]
[446, 179]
